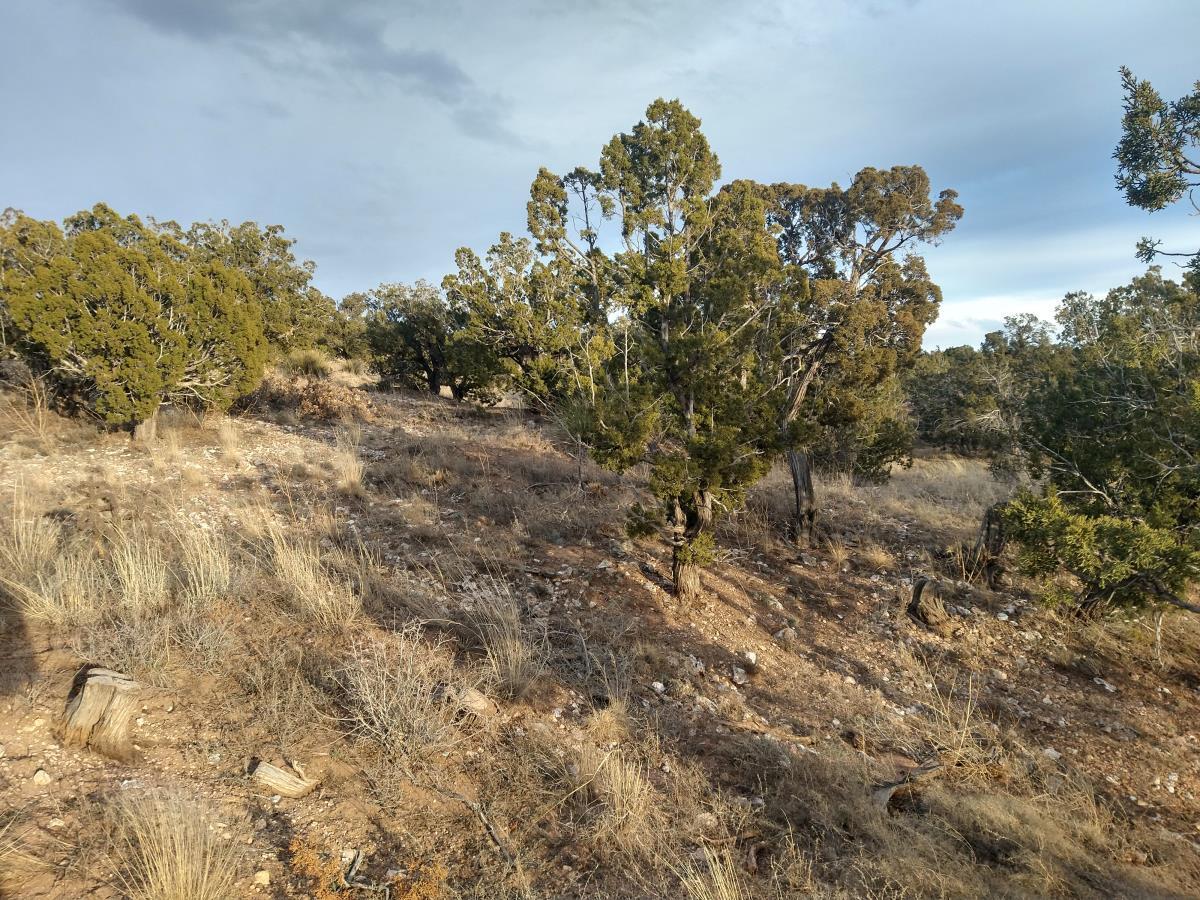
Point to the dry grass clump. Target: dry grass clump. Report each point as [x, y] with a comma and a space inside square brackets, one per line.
[140, 571]
[206, 570]
[307, 587]
[29, 542]
[347, 463]
[69, 591]
[877, 556]
[610, 795]
[514, 655]
[719, 877]
[838, 550]
[229, 438]
[399, 692]
[167, 849]
[306, 363]
[17, 858]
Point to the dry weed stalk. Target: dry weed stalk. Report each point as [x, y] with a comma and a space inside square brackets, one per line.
[718, 878]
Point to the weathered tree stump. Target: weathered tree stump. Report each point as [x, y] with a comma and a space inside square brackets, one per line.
[926, 607]
[281, 781]
[97, 712]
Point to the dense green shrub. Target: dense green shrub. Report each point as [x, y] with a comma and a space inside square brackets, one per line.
[120, 317]
[295, 315]
[1115, 434]
[419, 339]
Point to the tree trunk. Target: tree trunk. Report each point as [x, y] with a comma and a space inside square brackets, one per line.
[686, 530]
[685, 575]
[145, 432]
[990, 546]
[805, 520]
[97, 713]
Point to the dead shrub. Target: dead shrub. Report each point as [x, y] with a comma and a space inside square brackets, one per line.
[315, 399]
[398, 691]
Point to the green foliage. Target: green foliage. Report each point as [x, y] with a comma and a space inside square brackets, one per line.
[1114, 429]
[972, 401]
[419, 339]
[878, 435]
[296, 316]
[849, 311]
[1117, 560]
[1158, 156]
[120, 316]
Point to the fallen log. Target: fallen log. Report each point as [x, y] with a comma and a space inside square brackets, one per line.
[278, 780]
[882, 793]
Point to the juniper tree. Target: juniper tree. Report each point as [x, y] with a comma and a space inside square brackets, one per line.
[119, 317]
[1114, 430]
[419, 339]
[684, 388]
[296, 316]
[1158, 156]
[848, 309]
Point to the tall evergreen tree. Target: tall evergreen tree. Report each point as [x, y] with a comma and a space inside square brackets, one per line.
[849, 310]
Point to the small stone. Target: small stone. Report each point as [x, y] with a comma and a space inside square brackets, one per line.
[658, 687]
[41, 778]
[1051, 753]
[262, 878]
[56, 823]
[739, 676]
[786, 635]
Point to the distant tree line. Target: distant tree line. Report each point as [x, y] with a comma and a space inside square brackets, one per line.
[1101, 407]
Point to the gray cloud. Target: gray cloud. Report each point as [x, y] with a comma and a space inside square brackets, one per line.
[343, 39]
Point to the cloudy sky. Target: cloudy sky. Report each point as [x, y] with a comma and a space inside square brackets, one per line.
[383, 135]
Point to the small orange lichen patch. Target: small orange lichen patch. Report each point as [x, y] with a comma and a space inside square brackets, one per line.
[424, 882]
[324, 872]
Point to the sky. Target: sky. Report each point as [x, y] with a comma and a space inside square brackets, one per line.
[384, 135]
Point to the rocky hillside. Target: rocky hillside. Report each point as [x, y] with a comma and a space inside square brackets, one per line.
[381, 641]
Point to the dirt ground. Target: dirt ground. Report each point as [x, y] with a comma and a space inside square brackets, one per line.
[630, 746]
